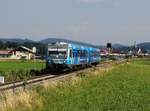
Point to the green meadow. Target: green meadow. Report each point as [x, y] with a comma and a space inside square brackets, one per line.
[125, 87]
[19, 69]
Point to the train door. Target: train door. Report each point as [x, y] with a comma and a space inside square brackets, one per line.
[75, 57]
[78, 56]
[89, 55]
[71, 55]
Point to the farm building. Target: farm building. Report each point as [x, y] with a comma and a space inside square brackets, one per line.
[5, 54]
[22, 53]
[17, 54]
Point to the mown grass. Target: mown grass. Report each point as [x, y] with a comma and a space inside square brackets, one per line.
[16, 70]
[126, 87]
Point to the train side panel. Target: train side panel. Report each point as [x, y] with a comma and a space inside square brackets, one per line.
[79, 55]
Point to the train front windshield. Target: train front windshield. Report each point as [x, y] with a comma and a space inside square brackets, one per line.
[58, 50]
[58, 54]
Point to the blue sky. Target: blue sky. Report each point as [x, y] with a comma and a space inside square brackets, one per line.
[92, 21]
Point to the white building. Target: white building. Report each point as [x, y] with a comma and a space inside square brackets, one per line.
[17, 54]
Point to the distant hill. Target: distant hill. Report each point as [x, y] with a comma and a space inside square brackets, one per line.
[120, 47]
[116, 46]
[15, 40]
[53, 40]
[144, 46]
[101, 46]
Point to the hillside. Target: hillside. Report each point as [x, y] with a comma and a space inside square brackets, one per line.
[120, 47]
[53, 40]
[15, 40]
[144, 46]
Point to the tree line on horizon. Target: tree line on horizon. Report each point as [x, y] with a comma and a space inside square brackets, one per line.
[42, 46]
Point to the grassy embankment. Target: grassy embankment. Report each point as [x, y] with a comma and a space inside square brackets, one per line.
[17, 70]
[126, 87]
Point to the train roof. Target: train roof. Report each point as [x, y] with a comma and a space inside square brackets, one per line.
[74, 43]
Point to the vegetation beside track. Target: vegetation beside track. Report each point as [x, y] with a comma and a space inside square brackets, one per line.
[18, 70]
[118, 88]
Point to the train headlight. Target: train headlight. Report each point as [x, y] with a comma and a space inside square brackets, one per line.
[49, 61]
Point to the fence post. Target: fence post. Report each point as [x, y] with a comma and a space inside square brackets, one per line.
[2, 80]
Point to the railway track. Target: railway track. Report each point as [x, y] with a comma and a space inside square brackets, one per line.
[48, 77]
[34, 81]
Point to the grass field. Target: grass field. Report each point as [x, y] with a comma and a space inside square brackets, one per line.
[19, 68]
[126, 87]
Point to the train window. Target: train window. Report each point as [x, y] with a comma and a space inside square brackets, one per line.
[79, 53]
[83, 53]
[74, 54]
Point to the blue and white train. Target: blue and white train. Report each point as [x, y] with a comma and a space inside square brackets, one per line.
[63, 55]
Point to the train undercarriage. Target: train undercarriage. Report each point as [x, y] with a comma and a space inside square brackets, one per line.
[64, 67]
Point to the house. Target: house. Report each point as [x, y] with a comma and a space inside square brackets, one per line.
[21, 52]
[5, 54]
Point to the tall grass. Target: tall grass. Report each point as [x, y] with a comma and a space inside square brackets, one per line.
[20, 101]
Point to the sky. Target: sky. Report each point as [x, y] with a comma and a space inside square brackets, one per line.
[92, 21]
